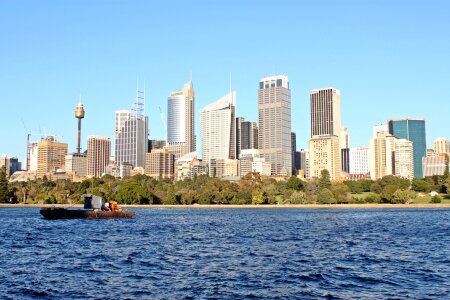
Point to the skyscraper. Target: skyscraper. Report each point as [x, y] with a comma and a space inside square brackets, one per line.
[131, 134]
[239, 121]
[325, 145]
[98, 153]
[403, 158]
[274, 118]
[412, 129]
[325, 112]
[441, 145]
[381, 155]
[51, 156]
[218, 129]
[181, 121]
[359, 160]
[294, 150]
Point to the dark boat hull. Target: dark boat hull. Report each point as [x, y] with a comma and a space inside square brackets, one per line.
[64, 213]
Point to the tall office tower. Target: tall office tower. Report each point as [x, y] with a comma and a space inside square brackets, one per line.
[218, 129]
[403, 158]
[441, 145]
[380, 129]
[249, 135]
[359, 160]
[412, 129]
[325, 145]
[344, 138]
[325, 112]
[324, 153]
[76, 163]
[433, 165]
[98, 153]
[180, 121]
[155, 144]
[293, 150]
[304, 162]
[239, 121]
[51, 156]
[131, 134]
[345, 160]
[160, 164]
[274, 118]
[381, 155]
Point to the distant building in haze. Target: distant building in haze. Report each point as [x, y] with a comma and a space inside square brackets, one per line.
[412, 129]
[274, 123]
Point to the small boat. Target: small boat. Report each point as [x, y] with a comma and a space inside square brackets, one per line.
[55, 213]
[92, 210]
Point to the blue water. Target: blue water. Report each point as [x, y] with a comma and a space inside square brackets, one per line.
[228, 253]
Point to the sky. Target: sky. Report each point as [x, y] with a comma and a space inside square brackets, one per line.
[389, 59]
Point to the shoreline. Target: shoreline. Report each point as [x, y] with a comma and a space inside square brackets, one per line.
[247, 206]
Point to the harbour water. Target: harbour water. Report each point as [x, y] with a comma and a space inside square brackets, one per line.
[228, 254]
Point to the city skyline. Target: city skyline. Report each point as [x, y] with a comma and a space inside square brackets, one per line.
[52, 65]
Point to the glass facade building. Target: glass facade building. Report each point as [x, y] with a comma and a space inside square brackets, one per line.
[412, 129]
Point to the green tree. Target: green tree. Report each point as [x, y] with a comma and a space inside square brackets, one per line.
[324, 181]
[436, 199]
[403, 196]
[420, 185]
[325, 196]
[340, 191]
[3, 185]
[388, 192]
[295, 183]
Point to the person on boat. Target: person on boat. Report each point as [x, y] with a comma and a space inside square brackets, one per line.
[114, 206]
[105, 206]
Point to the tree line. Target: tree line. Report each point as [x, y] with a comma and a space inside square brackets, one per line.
[251, 189]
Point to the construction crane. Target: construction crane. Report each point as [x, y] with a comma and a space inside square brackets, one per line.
[29, 135]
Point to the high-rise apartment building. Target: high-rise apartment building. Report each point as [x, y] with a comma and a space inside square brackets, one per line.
[441, 145]
[293, 151]
[274, 118]
[131, 134]
[218, 129]
[324, 153]
[403, 159]
[359, 160]
[412, 129]
[98, 153]
[181, 121]
[51, 156]
[325, 144]
[381, 155]
[239, 121]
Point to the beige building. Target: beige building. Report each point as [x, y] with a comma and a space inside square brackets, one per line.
[381, 155]
[51, 156]
[98, 153]
[274, 122]
[344, 138]
[325, 153]
[226, 167]
[261, 166]
[185, 165]
[403, 158]
[160, 164]
[441, 145]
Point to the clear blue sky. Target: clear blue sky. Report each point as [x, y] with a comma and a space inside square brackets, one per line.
[389, 58]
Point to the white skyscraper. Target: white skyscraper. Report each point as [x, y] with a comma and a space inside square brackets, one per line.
[441, 145]
[404, 163]
[131, 134]
[274, 118]
[180, 121]
[218, 129]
